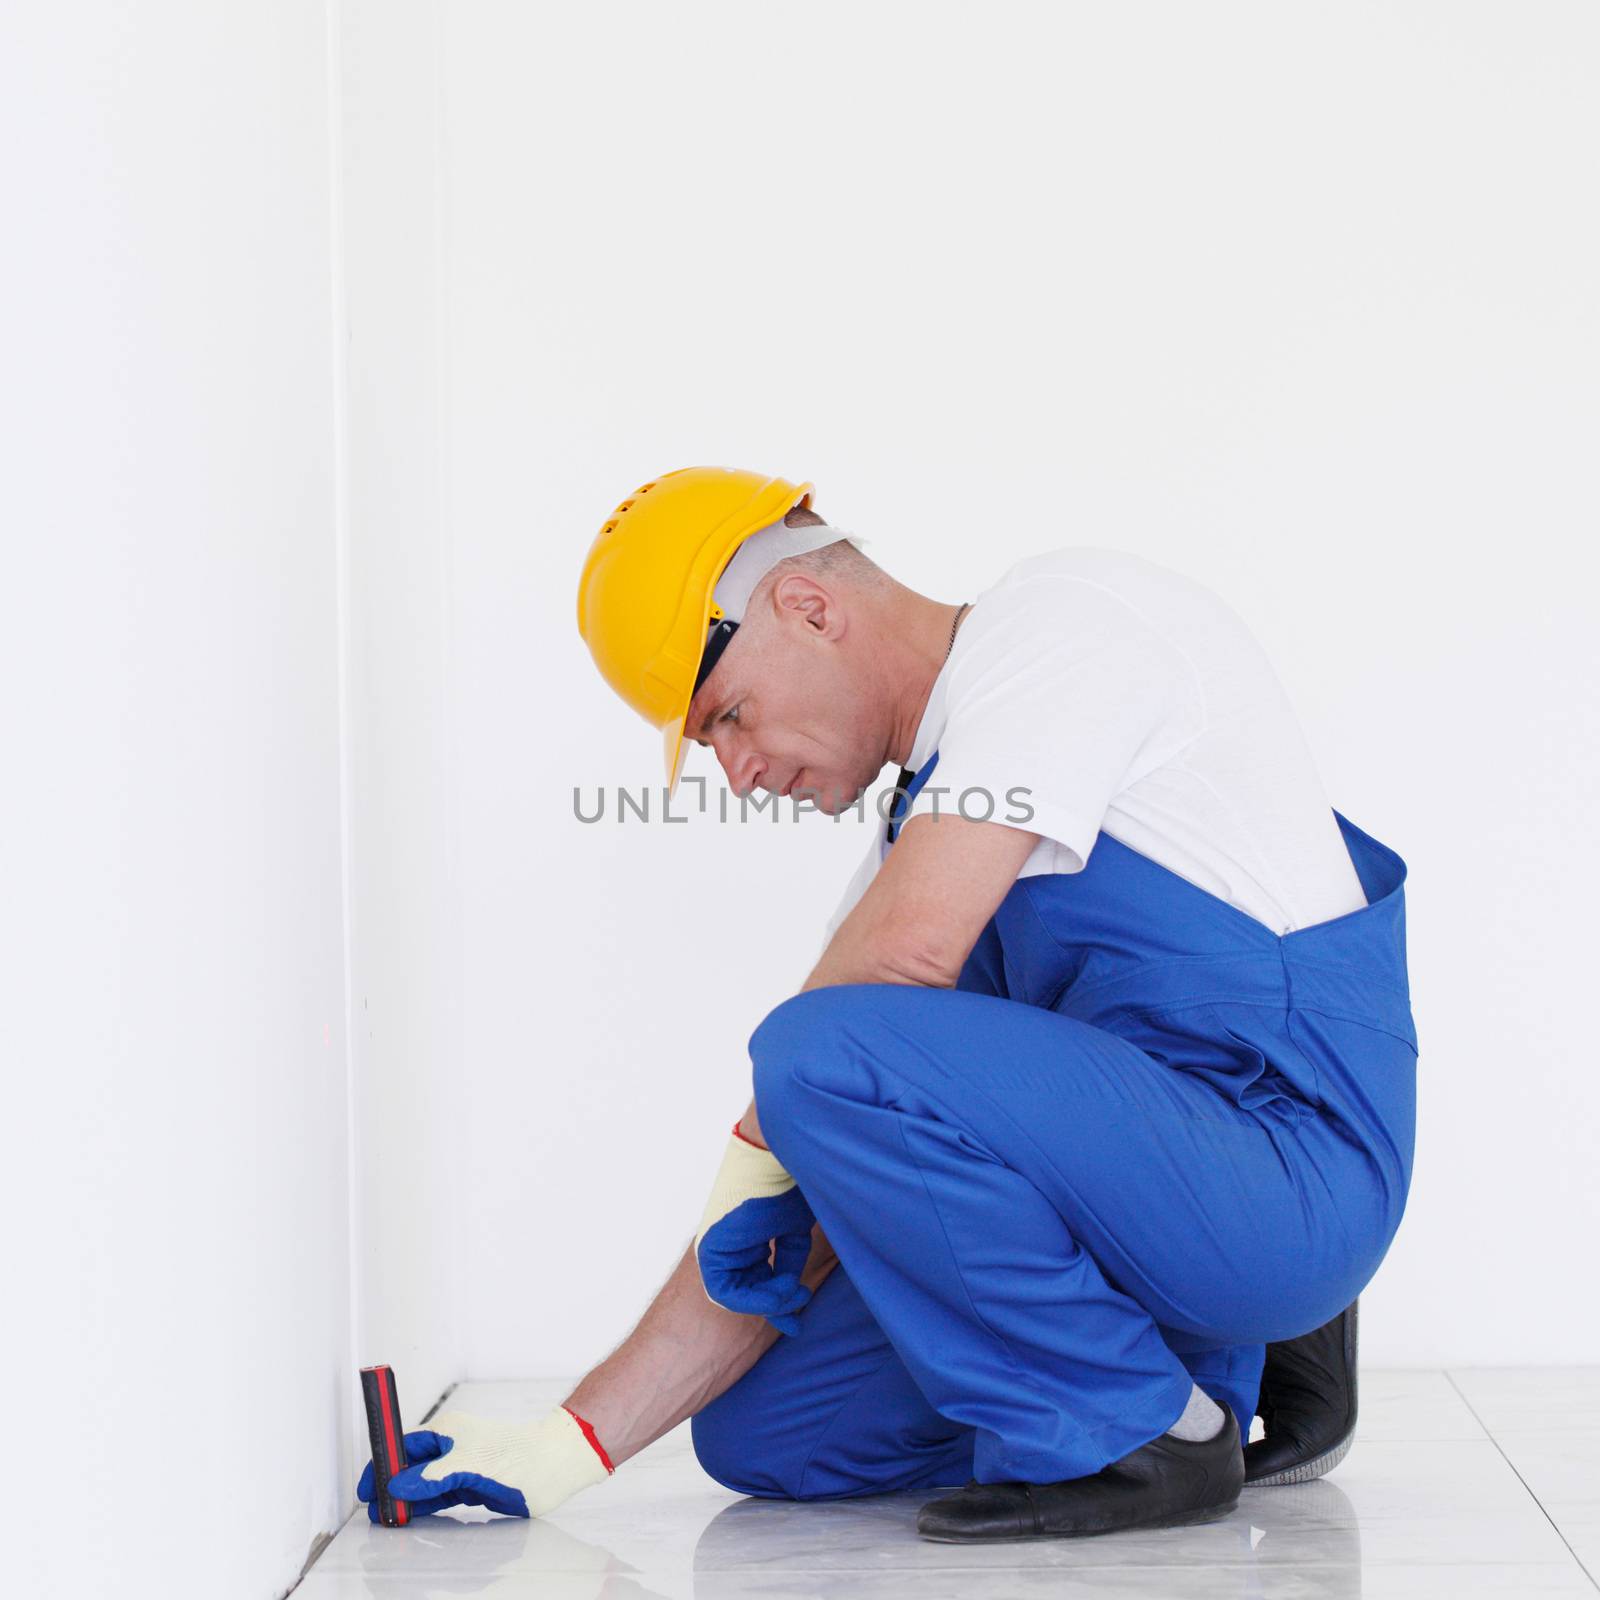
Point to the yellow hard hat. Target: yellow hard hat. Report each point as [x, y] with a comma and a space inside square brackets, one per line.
[646, 598]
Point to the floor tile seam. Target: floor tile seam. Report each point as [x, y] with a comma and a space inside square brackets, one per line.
[1582, 1565]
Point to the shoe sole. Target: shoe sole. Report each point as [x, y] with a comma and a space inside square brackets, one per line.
[1182, 1519]
[1305, 1471]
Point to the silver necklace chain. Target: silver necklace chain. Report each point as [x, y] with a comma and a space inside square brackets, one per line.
[961, 611]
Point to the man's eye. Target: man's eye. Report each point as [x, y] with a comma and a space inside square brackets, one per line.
[730, 715]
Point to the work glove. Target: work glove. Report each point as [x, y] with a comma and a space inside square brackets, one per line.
[520, 1469]
[754, 1202]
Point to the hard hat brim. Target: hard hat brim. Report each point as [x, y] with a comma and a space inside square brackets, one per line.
[675, 748]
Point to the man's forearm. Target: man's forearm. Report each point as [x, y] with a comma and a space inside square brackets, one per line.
[685, 1350]
[683, 1353]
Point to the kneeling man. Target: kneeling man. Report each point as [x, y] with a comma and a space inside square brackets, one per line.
[1101, 1095]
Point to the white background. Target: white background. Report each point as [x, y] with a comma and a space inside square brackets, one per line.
[329, 335]
[1299, 300]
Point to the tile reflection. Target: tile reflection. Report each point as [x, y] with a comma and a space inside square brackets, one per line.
[451, 1555]
[857, 1542]
[867, 1547]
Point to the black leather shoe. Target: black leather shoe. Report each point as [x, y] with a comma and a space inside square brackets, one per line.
[1307, 1404]
[1166, 1483]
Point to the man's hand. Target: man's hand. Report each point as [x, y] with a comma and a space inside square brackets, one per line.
[754, 1202]
[520, 1469]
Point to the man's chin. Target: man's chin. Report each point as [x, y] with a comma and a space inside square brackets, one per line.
[833, 799]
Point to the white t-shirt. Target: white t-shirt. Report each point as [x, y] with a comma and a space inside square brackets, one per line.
[1124, 696]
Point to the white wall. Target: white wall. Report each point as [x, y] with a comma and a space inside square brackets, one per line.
[1297, 299]
[178, 1364]
[405, 933]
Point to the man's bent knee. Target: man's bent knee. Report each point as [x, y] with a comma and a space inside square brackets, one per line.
[809, 1032]
[733, 1455]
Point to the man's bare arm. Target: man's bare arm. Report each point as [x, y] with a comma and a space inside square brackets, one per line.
[683, 1353]
[922, 912]
[917, 923]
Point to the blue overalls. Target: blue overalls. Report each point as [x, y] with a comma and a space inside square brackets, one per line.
[1141, 1138]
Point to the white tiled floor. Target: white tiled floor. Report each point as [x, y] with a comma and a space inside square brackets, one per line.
[1460, 1484]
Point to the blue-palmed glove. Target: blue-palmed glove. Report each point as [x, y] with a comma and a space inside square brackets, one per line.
[520, 1469]
[754, 1202]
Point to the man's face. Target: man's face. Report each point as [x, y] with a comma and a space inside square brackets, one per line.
[785, 709]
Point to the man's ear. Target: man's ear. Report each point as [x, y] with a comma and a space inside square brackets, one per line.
[800, 597]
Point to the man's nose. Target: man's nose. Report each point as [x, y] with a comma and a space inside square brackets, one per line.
[745, 769]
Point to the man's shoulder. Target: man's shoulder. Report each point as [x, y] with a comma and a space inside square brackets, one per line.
[1090, 564]
[1072, 584]
[1087, 580]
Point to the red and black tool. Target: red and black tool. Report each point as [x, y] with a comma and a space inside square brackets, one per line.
[388, 1441]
